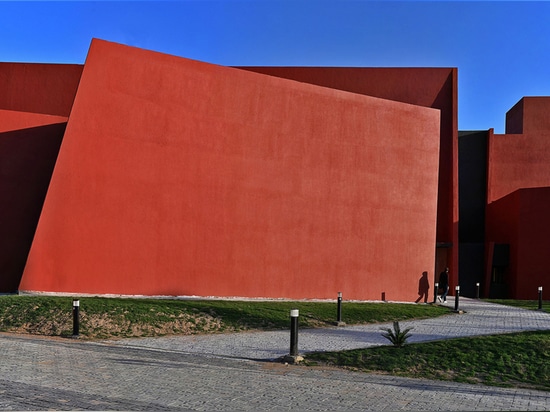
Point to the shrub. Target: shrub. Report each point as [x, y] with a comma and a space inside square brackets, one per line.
[396, 336]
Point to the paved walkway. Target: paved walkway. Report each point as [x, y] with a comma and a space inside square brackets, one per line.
[216, 372]
[479, 318]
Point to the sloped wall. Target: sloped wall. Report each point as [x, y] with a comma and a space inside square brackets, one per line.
[423, 86]
[27, 158]
[35, 101]
[177, 177]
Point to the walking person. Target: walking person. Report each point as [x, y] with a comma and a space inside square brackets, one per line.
[444, 284]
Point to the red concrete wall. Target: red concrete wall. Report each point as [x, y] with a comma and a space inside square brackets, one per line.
[428, 87]
[502, 228]
[12, 120]
[29, 144]
[517, 161]
[39, 88]
[35, 100]
[529, 115]
[521, 220]
[533, 268]
[521, 160]
[517, 165]
[177, 177]
[514, 119]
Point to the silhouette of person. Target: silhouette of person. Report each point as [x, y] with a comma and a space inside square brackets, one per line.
[444, 284]
[423, 287]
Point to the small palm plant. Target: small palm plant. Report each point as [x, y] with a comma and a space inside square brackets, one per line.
[396, 336]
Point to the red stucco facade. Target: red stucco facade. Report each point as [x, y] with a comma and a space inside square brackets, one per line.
[140, 173]
[177, 177]
[426, 87]
[35, 102]
[39, 88]
[518, 200]
[520, 220]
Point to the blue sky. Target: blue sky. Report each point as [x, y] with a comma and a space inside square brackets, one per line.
[501, 48]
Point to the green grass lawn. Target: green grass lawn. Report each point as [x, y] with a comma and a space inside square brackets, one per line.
[525, 304]
[514, 360]
[126, 317]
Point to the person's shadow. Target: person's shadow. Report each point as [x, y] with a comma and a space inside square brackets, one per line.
[423, 288]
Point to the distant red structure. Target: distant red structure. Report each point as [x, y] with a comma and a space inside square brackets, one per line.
[177, 177]
[518, 201]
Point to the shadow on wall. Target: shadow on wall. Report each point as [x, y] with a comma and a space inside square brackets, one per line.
[27, 158]
[423, 288]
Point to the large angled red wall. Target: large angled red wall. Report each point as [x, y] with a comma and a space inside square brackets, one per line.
[428, 87]
[177, 177]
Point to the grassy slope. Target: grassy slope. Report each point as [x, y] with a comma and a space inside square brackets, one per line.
[121, 317]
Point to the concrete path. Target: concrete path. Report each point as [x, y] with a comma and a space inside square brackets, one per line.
[215, 372]
[479, 318]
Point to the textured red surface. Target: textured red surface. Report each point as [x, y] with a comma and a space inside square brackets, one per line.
[39, 88]
[177, 177]
[529, 115]
[29, 144]
[521, 160]
[428, 87]
[35, 101]
[521, 220]
[533, 227]
[518, 161]
[518, 195]
[12, 120]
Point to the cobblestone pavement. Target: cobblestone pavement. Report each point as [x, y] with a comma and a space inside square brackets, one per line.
[479, 318]
[176, 374]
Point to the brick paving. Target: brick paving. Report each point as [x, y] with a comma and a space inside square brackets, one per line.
[204, 373]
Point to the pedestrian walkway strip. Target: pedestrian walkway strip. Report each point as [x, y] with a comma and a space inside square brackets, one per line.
[477, 318]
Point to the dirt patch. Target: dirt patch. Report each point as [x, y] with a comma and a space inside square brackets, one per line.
[102, 326]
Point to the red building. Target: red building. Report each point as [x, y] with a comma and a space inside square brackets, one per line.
[35, 102]
[504, 202]
[178, 177]
[519, 176]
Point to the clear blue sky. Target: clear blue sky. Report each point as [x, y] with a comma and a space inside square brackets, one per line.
[501, 48]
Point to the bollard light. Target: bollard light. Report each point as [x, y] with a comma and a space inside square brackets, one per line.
[540, 297]
[294, 332]
[339, 314]
[436, 289]
[457, 294]
[76, 326]
[477, 290]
